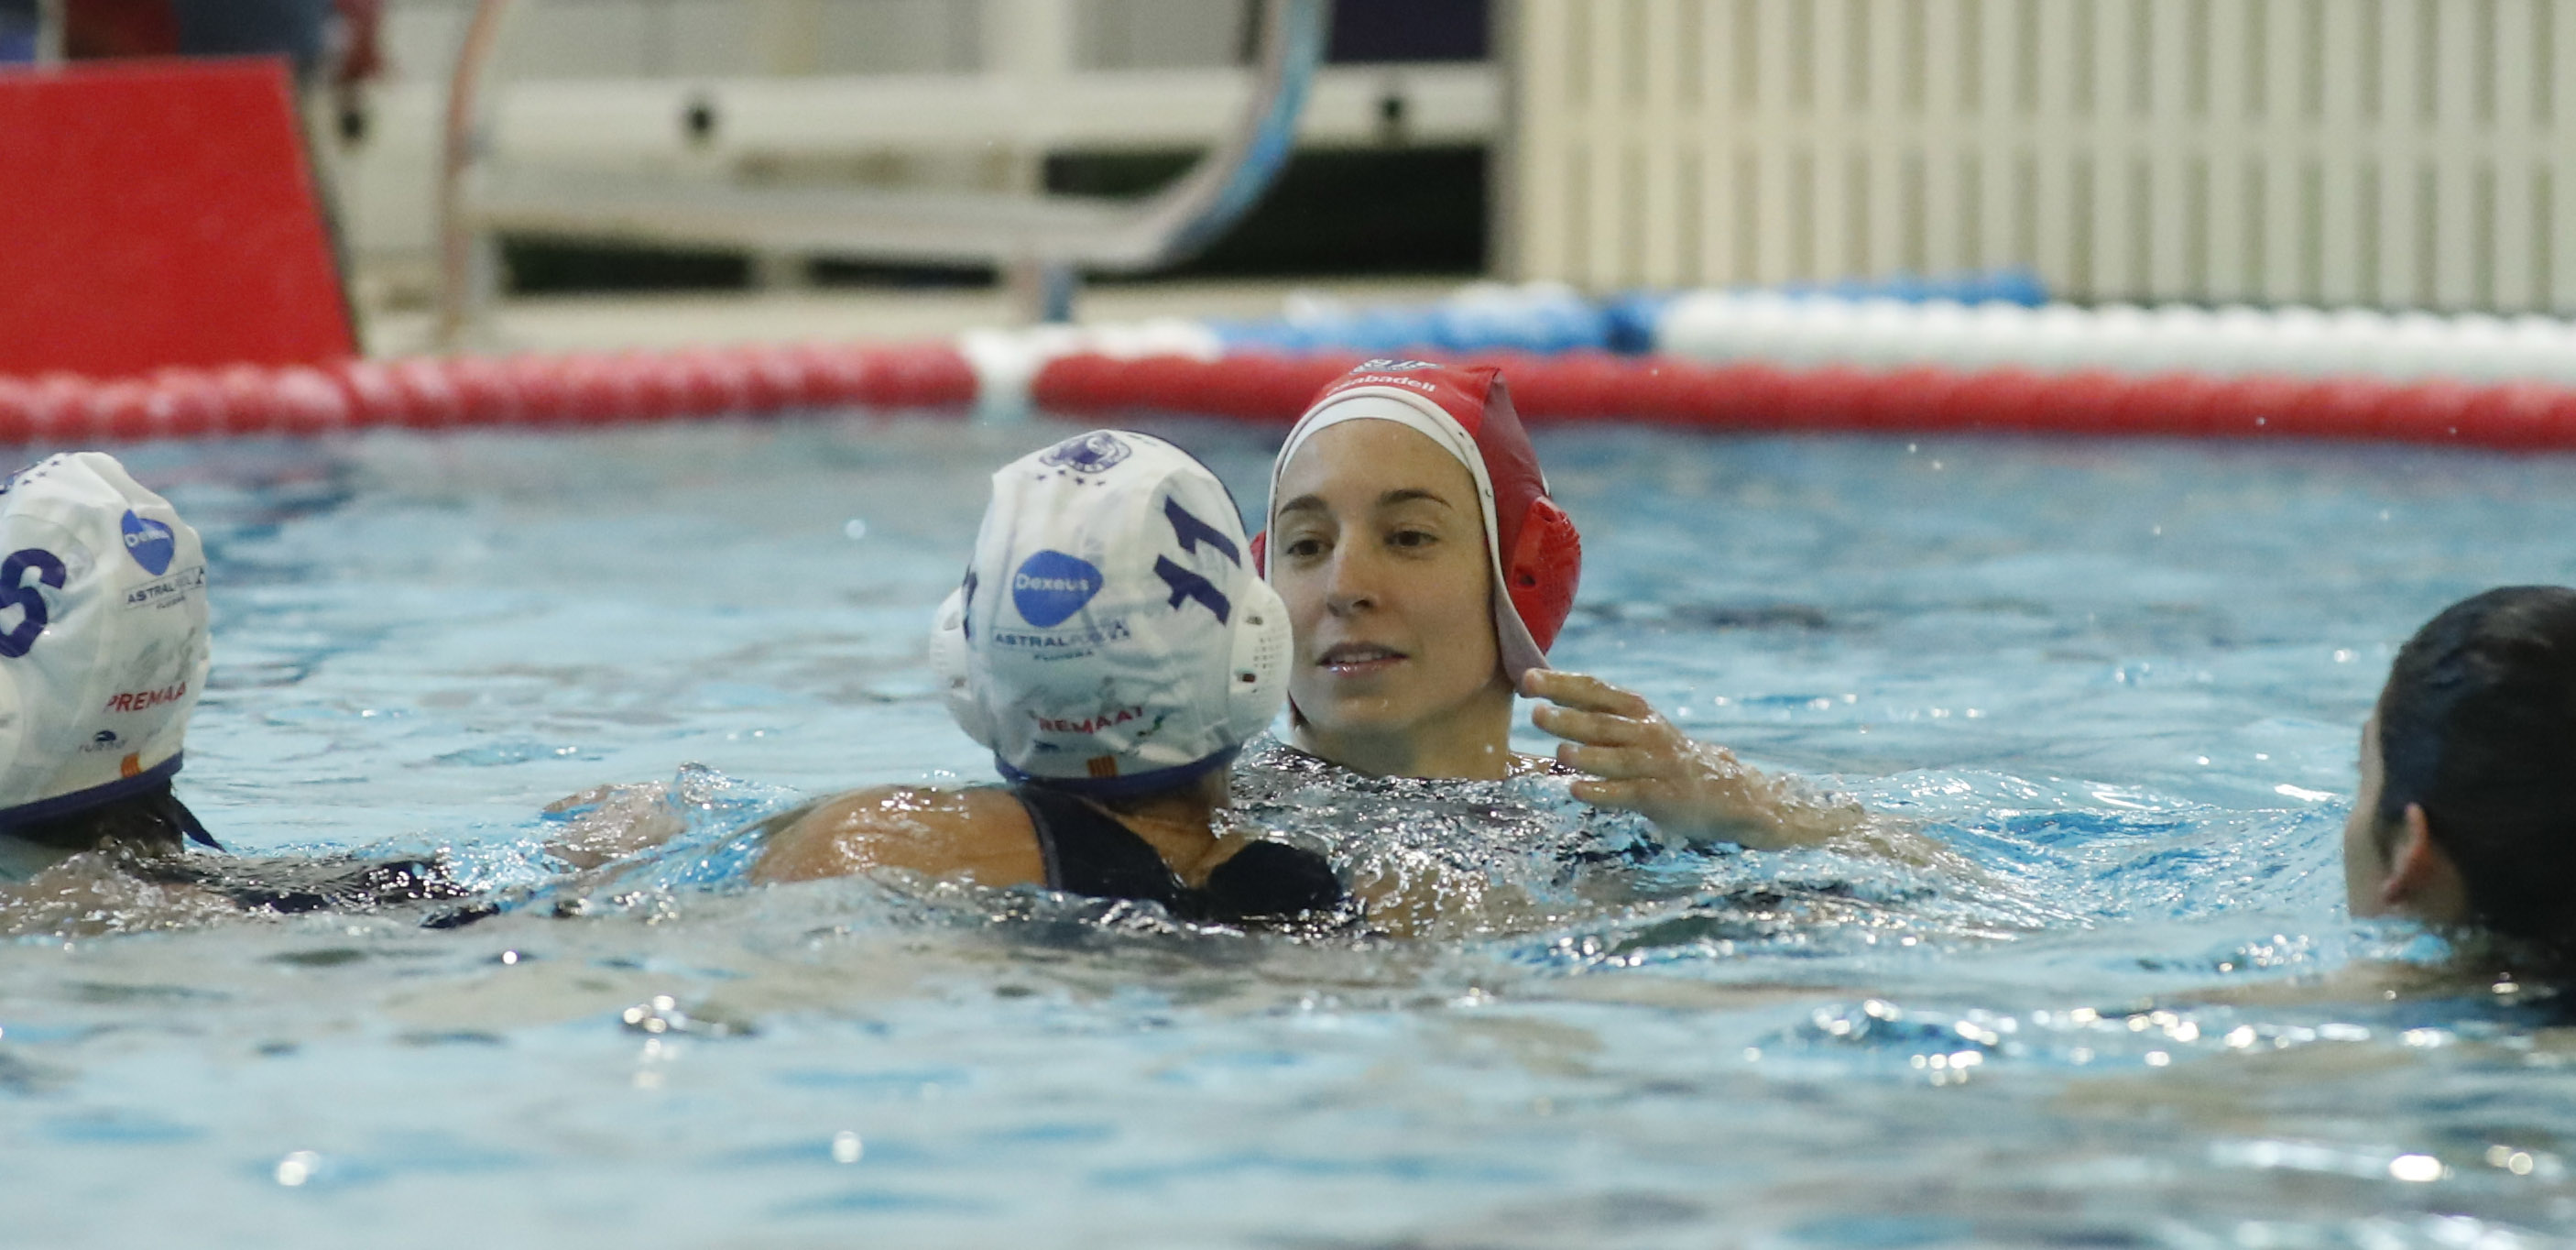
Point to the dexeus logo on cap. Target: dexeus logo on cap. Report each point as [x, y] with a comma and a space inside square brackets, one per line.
[149, 542]
[1051, 586]
[1092, 453]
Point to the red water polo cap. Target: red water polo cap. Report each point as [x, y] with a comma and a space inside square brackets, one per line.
[1537, 555]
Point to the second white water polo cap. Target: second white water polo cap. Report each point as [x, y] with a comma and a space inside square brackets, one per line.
[1111, 636]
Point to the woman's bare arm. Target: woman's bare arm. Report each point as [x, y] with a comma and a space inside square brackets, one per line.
[1639, 762]
[980, 835]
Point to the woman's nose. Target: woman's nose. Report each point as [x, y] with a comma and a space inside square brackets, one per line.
[1351, 583]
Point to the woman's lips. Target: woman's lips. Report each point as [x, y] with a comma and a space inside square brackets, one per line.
[1358, 659]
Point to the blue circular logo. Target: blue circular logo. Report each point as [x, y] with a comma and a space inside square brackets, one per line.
[1052, 586]
[1091, 453]
[150, 543]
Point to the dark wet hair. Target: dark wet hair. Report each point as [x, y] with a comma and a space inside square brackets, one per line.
[152, 820]
[2478, 726]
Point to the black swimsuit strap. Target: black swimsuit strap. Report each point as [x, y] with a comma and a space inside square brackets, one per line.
[1087, 851]
[1272, 879]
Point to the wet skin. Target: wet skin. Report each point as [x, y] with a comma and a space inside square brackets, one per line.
[1378, 547]
[2394, 868]
[1377, 544]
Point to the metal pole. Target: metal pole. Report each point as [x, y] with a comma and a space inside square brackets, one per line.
[1043, 291]
[49, 31]
[467, 271]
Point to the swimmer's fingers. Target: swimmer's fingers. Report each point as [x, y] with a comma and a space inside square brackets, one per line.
[1613, 763]
[1590, 694]
[1596, 728]
[1625, 796]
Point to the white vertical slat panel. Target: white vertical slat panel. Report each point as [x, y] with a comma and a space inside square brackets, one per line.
[2165, 214]
[1691, 83]
[2451, 154]
[1945, 137]
[2390, 151]
[1833, 39]
[2559, 224]
[2341, 219]
[2394, 128]
[1654, 25]
[2124, 71]
[1605, 189]
[2236, 130]
[1553, 164]
[1571, 162]
[1776, 137]
[2513, 283]
[2306, 85]
[2039, 86]
[1888, 127]
[1720, 123]
[1540, 144]
[2008, 238]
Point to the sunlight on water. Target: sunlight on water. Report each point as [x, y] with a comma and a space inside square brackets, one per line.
[2117, 685]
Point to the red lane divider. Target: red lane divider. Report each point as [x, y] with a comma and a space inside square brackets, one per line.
[573, 391]
[1926, 399]
[465, 391]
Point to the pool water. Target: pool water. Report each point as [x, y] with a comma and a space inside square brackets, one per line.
[2120, 682]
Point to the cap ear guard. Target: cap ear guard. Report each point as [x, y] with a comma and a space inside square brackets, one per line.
[948, 662]
[1546, 562]
[1257, 680]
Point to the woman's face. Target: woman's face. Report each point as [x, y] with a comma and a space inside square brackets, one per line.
[1378, 546]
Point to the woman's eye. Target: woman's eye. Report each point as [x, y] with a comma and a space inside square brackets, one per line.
[1303, 548]
[1412, 538]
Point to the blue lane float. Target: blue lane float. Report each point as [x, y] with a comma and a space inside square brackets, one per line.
[1544, 318]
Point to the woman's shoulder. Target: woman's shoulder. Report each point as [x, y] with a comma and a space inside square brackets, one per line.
[979, 831]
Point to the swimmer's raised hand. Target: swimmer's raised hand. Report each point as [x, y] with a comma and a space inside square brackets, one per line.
[1639, 762]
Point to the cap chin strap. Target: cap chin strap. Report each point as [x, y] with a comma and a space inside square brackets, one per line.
[1256, 677]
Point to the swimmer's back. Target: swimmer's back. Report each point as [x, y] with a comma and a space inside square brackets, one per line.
[982, 834]
[1030, 835]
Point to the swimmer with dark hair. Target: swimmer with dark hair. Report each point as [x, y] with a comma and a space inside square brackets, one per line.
[103, 654]
[1114, 649]
[2466, 815]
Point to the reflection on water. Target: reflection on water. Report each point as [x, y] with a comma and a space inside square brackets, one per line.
[2119, 682]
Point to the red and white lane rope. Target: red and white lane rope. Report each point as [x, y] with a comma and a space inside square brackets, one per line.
[1916, 399]
[465, 391]
[1718, 326]
[1094, 375]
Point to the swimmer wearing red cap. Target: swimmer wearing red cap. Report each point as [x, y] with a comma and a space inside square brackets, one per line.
[1402, 499]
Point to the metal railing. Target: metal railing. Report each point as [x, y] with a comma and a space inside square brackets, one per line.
[1040, 242]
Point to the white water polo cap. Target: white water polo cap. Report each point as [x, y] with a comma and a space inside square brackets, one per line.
[1111, 636]
[102, 637]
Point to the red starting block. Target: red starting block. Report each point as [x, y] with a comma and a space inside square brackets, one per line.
[160, 213]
